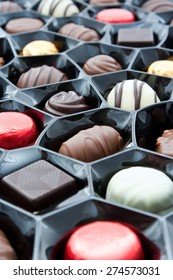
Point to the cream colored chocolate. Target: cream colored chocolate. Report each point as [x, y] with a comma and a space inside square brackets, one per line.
[39, 47]
[132, 95]
[161, 67]
[58, 8]
[92, 143]
[6, 250]
[141, 187]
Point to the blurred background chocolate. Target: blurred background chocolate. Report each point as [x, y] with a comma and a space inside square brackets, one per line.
[157, 6]
[25, 24]
[9, 7]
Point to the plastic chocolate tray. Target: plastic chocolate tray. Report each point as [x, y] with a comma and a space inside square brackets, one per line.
[45, 228]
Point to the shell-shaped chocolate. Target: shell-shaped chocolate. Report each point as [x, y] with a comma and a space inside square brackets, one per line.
[93, 143]
[58, 8]
[41, 76]
[6, 250]
[79, 32]
[101, 64]
[132, 95]
[64, 103]
[9, 7]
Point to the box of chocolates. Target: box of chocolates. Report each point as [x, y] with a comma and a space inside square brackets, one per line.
[86, 130]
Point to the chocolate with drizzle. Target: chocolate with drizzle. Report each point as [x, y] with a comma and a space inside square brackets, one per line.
[58, 8]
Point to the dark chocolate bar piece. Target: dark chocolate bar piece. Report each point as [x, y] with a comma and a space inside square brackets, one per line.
[37, 186]
[135, 37]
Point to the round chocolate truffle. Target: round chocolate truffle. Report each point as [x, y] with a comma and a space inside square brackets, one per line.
[92, 143]
[164, 143]
[16, 130]
[6, 250]
[161, 67]
[19, 25]
[64, 103]
[58, 8]
[101, 64]
[132, 95]
[157, 6]
[39, 47]
[141, 187]
[104, 240]
[115, 15]
[79, 32]
[9, 7]
[40, 76]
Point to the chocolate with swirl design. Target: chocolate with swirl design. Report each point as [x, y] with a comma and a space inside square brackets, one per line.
[58, 8]
[101, 64]
[6, 250]
[41, 75]
[132, 95]
[93, 143]
[64, 103]
[79, 32]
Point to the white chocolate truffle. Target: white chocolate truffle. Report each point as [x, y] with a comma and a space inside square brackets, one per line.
[132, 95]
[58, 8]
[141, 187]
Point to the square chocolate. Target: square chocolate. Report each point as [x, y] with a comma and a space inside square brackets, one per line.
[37, 186]
[135, 37]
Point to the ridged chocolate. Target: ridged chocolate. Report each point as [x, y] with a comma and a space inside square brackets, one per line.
[9, 7]
[64, 103]
[79, 32]
[6, 250]
[38, 186]
[157, 6]
[132, 95]
[41, 76]
[58, 8]
[92, 144]
[101, 64]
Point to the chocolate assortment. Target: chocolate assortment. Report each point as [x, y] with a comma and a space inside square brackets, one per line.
[86, 129]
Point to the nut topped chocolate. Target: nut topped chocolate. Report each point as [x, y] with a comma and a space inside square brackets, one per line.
[132, 95]
[93, 143]
[64, 103]
[6, 250]
[101, 64]
[79, 32]
[42, 75]
[37, 186]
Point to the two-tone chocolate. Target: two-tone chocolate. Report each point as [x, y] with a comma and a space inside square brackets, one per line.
[58, 8]
[64, 103]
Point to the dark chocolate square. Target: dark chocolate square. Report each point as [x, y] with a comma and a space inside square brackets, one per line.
[135, 37]
[37, 186]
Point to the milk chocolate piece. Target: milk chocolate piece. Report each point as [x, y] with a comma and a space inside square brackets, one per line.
[164, 143]
[37, 186]
[64, 103]
[79, 32]
[39, 76]
[19, 245]
[6, 250]
[25, 24]
[101, 64]
[135, 37]
[157, 6]
[93, 143]
[9, 7]
[2, 61]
